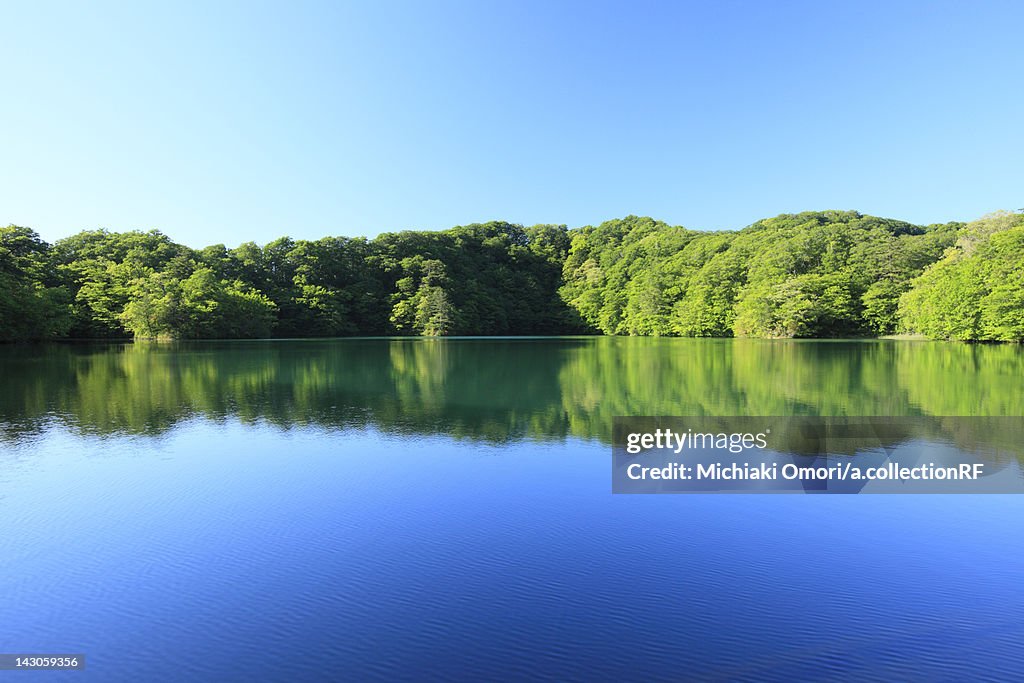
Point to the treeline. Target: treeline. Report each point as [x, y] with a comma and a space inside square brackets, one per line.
[815, 274]
[496, 278]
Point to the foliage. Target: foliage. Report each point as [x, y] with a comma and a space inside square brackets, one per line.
[198, 307]
[33, 303]
[976, 291]
[813, 274]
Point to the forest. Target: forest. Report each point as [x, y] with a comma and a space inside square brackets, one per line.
[827, 274]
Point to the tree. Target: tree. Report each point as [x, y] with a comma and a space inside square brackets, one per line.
[973, 292]
[163, 306]
[813, 274]
[34, 305]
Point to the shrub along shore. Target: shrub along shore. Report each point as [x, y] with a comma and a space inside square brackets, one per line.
[814, 275]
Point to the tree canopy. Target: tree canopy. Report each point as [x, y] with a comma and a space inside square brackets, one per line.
[821, 274]
[975, 292]
[813, 274]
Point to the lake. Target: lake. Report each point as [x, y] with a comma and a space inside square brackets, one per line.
[428, 509]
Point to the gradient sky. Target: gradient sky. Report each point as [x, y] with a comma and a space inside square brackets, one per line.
[218, 122]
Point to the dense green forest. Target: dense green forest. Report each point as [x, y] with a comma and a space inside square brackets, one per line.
[814, 274]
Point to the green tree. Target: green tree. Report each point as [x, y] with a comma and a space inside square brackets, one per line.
[34, 304]
[973, 292]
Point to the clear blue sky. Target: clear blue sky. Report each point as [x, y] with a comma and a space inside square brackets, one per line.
[218, 122]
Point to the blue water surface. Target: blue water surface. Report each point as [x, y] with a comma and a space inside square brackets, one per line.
[225, 551]
[410, 510]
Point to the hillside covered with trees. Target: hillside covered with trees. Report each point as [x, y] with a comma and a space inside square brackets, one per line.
[814, 274]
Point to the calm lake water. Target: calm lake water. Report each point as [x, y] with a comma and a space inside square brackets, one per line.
[385, 509]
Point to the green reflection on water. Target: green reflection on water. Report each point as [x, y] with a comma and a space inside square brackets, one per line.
[495, 389]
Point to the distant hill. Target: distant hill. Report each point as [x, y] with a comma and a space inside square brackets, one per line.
[813, 274]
